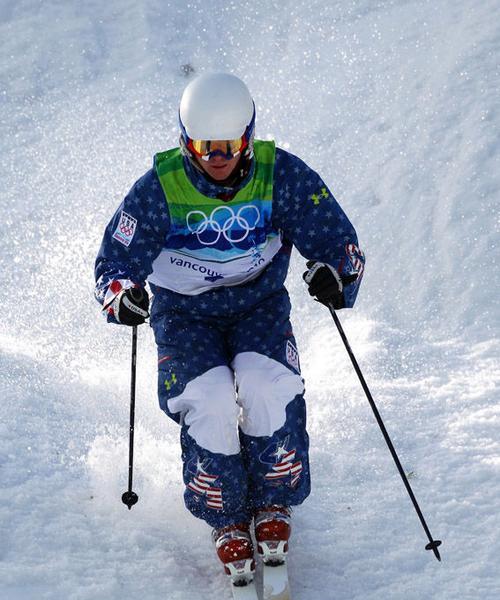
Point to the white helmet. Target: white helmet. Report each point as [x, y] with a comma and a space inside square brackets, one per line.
[216, 106]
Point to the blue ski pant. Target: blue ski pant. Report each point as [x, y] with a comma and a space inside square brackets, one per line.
[231, 379]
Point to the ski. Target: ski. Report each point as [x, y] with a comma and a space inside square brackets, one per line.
[244, 592]
[275, 585]
[241, 574]
[275, 582]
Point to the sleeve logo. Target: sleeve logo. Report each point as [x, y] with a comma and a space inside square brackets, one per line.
[292, 356]
[125, 229]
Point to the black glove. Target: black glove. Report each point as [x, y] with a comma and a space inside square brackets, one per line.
[324, 283]
[130, 307]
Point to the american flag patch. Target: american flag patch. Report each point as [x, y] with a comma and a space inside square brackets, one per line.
[357, 258]
[287, 467]
[203, 485]
[125, 229]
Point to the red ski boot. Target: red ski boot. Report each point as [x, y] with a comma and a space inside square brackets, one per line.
[235, 550]
[272, 531]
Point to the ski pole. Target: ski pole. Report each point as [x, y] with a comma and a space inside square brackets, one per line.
[129, 497]
[433, 544]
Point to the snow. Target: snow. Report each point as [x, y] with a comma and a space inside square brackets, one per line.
[396, 105]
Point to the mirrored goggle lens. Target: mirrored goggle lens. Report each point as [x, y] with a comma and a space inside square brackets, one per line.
[204, 147]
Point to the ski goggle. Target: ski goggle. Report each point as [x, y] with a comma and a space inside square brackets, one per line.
[205, 149]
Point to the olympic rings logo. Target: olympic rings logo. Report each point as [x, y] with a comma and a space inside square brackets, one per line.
[126, 230]
[223, 222]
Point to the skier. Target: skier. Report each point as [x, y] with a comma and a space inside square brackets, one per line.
[211, 227]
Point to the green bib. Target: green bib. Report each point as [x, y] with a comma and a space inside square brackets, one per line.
[212, 242]
[210, 227]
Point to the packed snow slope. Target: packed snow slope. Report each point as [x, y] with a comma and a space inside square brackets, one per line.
[395, 103]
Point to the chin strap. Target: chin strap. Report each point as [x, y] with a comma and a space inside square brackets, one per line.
[237, 176]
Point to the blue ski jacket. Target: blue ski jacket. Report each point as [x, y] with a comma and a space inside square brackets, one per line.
[304, 213]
